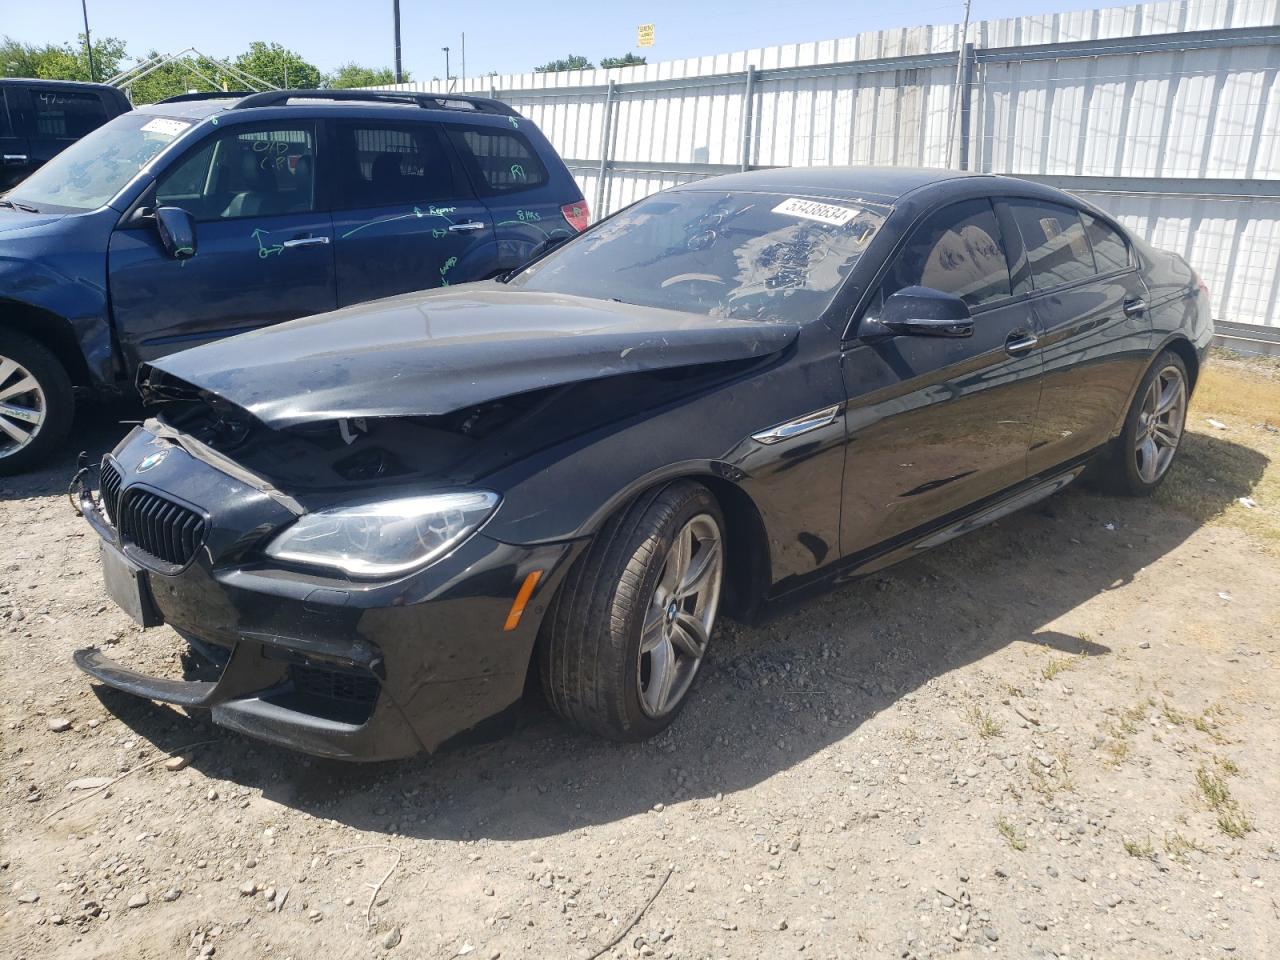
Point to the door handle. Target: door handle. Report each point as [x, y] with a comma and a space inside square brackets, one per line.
[471, 226]
[15, 158]
[305, 242]
[1134, 307]
[1020, 341]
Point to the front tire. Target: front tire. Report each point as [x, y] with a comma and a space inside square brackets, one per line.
[630, 625]
[36, 402]
[1152, 434]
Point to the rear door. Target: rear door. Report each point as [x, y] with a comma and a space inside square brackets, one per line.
[1093, 333]
[405, 217]
[60, 117]
[15, 151]
[264, 252]
[510, 176]
[937, 424]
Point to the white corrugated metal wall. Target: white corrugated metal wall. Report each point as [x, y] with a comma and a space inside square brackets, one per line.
[1165, 114]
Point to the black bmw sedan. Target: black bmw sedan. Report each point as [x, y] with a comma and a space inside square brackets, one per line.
[368, 525]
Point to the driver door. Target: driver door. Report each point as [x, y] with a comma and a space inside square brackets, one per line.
[936, 424]
[264, 252]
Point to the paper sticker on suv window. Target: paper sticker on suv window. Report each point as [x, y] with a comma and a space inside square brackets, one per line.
[830, 213]
[165, 126]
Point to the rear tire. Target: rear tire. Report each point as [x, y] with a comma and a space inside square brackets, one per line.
[1144, 452]
[37, 404]
[629, 627]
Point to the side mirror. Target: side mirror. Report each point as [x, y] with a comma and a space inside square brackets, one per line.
[177, 230]
[922, 312]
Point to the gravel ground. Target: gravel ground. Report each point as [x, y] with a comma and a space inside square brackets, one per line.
[1057, 737]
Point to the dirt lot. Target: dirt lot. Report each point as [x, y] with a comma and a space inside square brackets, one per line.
[1058, 737]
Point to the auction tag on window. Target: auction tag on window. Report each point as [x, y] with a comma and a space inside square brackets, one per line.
[830, 213]
[165, 126]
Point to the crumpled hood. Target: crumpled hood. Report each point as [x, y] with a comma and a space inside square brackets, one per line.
[428, 354]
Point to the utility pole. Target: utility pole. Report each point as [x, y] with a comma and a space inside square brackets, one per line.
[464, 61]
[958, 93]
[446, 68]
[395, 14]
[88, 44]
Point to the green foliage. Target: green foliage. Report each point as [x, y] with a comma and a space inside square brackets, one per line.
[351, 75]
[60, 62]
[278, 65]
[630, 60]
[182, 76]
[573, 62]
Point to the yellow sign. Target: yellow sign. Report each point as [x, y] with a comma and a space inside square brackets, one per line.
[644, 35]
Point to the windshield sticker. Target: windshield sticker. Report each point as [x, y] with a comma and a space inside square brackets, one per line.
[829, 213]
[165, 126]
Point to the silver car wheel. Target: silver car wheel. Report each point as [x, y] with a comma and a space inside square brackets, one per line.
[680, 615]
[1160, 424]
[23, 407]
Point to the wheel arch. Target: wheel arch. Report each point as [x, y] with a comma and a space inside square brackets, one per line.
[1187, 352]
[51, 331]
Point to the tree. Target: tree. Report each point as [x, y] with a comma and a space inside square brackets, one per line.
[60, 62]
[630, 60]
[573, 62]
[181, 76]
[278, 65]
[354, 75]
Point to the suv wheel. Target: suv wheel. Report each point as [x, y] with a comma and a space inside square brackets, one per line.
[1152, 431]
[630, 625]
[36, 402]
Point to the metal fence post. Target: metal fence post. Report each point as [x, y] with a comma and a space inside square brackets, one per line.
[603, 174]
[966, 105]
[748, 106]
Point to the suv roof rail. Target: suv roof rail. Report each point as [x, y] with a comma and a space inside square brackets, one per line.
[209, 95]
[428, 101]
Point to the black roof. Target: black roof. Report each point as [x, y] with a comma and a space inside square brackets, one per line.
[875, 184]
[69, 84]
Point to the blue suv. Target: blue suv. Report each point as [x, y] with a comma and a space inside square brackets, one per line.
[206, 216]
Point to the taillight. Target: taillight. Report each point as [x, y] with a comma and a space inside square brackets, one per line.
[577, 214]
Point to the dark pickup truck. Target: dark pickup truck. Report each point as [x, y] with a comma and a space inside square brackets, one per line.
[41, 118]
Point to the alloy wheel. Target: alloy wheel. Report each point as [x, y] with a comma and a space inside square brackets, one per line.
[1160, 423]
[23, 407]
[680, 615]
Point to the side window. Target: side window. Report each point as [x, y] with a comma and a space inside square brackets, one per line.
[6, 127]
[384, 166]
[501, 161]
[1110, 252]
[244, 173]
[66, 115]
[956, 250]
[1057, 248]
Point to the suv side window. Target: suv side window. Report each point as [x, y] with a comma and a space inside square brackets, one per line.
[384, 165]
[244, 173]
[1057, 249]
[500, 161]
[66, 115]
[6, 126]
[957, 250]
[1110, 252]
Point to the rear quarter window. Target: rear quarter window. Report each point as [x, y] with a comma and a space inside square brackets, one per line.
[1109, 249]
[500, 161]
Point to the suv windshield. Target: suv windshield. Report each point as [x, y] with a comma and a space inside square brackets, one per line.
[749, 256]
[93, 170]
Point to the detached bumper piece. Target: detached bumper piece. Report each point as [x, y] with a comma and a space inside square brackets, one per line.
[325, 709]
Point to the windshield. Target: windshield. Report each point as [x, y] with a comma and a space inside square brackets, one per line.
[93, 169]
[748, 256]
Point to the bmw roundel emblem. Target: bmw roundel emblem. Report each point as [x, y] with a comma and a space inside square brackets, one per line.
[151, 460]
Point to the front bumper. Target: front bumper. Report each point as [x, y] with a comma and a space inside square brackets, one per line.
[331, 667]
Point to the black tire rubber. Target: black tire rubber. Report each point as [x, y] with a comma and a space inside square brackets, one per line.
[1118, 471]
[59, 397]
[589, 646]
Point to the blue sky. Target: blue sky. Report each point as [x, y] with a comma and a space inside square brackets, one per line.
[509, 37]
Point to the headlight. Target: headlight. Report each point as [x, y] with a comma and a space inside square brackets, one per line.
[377, 539]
